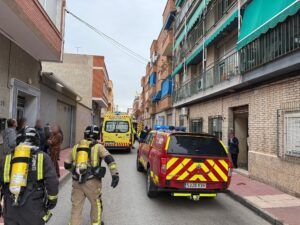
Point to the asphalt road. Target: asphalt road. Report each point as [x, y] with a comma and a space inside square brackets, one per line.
[129, 205]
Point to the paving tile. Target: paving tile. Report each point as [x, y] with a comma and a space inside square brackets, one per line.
[274, 201]
[289, 215]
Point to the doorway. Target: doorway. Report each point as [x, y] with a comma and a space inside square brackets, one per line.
[241, 128]
[27, 107]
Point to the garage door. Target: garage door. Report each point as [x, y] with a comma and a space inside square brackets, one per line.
[64, 119]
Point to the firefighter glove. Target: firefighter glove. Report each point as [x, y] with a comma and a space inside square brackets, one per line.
[115, 181]
[51, 203]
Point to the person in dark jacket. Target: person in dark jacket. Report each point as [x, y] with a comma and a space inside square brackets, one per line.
[40, 130]
[233, 145]
[9, 138]
[22, 123]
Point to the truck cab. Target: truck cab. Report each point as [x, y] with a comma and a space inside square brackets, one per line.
[184, 164]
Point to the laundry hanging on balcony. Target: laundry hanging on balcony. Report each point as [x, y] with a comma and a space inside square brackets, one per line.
[152, 79]
[156, 97]
[262, 15]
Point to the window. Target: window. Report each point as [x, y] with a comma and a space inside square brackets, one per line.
[149, 139]
[292, 134]
[181, 120]
[215, 126]
[196, 145]
[117, 126]
[197, 125]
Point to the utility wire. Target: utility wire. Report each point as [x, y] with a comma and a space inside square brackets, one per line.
[122, 47]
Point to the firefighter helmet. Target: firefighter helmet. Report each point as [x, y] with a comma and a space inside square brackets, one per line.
[92, 132]
[29, 136]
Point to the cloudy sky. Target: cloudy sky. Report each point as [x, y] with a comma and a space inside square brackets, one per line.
[134, 23]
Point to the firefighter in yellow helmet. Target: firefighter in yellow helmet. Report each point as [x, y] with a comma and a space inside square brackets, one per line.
[29, 183]
[85, 165]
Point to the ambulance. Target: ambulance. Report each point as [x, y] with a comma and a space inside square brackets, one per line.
[184, 164]
[117, 131]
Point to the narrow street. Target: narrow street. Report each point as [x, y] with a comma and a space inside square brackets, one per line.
[129, 205]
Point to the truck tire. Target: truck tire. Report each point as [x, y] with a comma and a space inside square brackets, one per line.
[152, 191]
[139, 166]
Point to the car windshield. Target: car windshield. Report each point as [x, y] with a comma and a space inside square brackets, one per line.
[116, 126]
[196, 145]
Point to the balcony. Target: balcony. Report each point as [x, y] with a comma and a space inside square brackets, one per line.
[152, 91]
[167, 44]
[217, 14]
[280, 41]
[169, 11]
[184, 11]
[220, 76]
[165, 103]
[28, 25]
[166, 70]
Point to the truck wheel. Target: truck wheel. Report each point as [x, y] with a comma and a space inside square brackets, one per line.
[151, 188]
[139, 166]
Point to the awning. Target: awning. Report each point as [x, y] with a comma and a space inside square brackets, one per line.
[222, 28]
[178, 3]
[152, 79]
[194, 55]
[262, 15]
[156, 97]
[196, 15]
[191, 22]
[169, 20]
[166, 87]
[177, 69]
[180, 38]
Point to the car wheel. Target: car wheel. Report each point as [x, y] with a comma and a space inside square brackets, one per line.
[151, 188]
[139, 166]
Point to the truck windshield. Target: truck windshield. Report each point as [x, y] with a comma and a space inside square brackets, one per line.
[196, 145]
[117, 126]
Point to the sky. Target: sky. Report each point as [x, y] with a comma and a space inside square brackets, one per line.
[134, 23]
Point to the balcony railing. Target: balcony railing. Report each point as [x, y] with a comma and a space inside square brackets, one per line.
[277, 42]
[215, 12]
[219, 72]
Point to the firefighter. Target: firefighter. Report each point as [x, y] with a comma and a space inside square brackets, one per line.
[85, 165]
[28, 183]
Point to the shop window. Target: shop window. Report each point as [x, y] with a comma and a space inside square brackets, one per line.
[197, 125]
[215, 126]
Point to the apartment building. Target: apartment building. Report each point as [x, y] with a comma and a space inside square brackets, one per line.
[236, 72]
[157, 84]
[89, 79]
[30, 33]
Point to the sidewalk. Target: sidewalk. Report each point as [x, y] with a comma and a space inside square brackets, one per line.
[273, 205]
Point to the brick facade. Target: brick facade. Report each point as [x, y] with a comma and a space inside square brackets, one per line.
[263, 103]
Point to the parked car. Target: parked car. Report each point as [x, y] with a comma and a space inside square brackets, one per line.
[184, 164]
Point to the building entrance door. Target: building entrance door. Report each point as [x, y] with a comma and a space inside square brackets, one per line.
[241, 128]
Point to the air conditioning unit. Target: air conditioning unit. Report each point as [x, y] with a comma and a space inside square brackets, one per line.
[184, 111]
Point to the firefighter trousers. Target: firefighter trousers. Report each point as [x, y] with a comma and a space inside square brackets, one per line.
[92, 191]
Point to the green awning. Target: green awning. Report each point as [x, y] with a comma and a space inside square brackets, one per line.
[179, 39]
[191, 22]
[177, 69]
[194, 55]
[178, 3]
[221, 28]
[196, 15]
[262, 15]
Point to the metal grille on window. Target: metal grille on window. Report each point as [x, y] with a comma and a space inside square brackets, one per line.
[215, 126]
[288, 131]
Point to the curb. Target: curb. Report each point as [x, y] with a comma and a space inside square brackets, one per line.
[262, 213]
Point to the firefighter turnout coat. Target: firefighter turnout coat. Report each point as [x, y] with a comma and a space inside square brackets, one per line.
[90, 186]
[27, 204]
